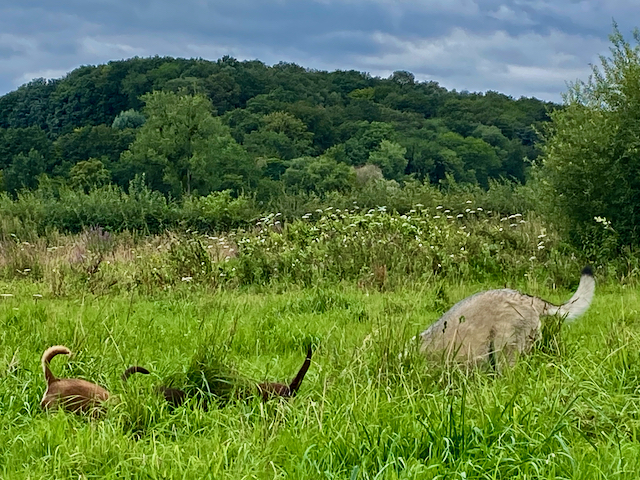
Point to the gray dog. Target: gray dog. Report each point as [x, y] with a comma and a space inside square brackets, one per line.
[498, 325]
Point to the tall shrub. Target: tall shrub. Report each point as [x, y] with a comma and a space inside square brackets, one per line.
[591, 161]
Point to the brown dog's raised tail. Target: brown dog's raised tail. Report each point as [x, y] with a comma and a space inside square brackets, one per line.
[294, 386]
[48, 354]
[273, 389]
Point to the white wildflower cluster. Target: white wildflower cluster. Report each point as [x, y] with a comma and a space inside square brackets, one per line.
[347, 242]
[606, 224]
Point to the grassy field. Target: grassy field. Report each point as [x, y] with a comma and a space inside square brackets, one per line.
[568, 411]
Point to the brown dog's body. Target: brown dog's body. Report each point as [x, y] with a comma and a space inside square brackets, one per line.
[73, 394]
[272, 390]
[176, 397]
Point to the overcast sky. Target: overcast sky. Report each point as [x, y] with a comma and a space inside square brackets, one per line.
[518, 47]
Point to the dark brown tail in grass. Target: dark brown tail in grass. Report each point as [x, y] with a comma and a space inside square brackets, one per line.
[73, 394]
[135, 369]
[271, 389]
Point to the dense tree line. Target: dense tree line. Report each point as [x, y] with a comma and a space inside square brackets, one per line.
[192, 127]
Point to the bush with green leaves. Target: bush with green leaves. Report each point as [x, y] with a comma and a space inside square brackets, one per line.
[140, 210]
[218, 211]
[591, 164]
[319, 175]
[375, 245]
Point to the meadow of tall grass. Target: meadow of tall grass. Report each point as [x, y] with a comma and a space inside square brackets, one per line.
[357, 284]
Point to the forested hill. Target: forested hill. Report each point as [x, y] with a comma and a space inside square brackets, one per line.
[280, 127]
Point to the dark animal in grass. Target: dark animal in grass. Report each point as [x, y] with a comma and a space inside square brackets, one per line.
[498, 325]
[174, 396]
[72, 394]
[267, 390]
[272, 389]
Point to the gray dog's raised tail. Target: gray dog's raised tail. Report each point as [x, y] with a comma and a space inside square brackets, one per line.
[580, 301]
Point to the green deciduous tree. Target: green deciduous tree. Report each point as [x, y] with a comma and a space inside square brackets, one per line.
[128, 119]
[89, 174]
[367, 139]
[29, 105]
[592, 153]
[223, 90]
[280, 135]
[182, 148]
[23, 171]
[319, 175]
[83, 143]
[367, 174]
[390, 157]
[480, 159]
[22, 140]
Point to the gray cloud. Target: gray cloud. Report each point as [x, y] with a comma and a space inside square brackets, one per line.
[519, 47]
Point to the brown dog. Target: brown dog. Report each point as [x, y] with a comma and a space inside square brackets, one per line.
[73, 394]
[267, 390]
